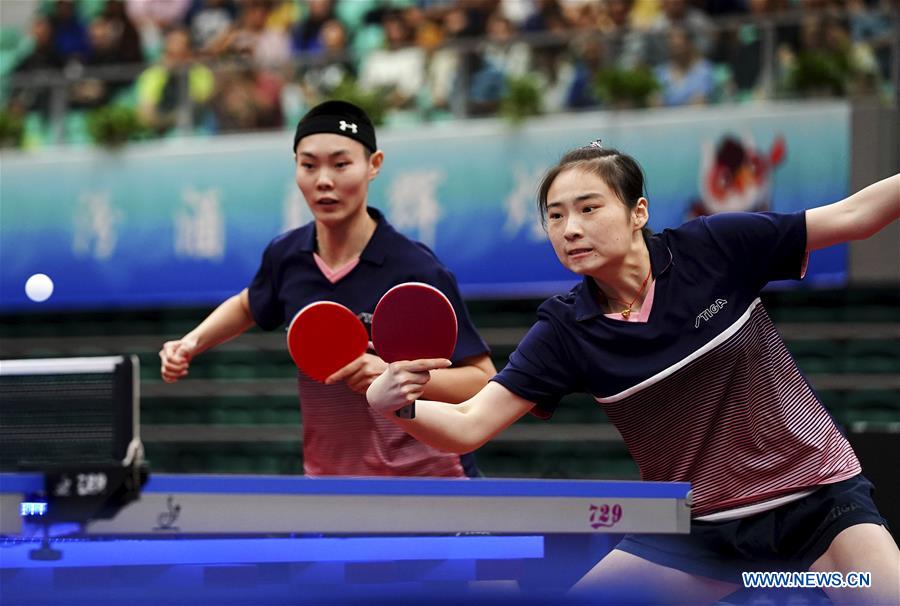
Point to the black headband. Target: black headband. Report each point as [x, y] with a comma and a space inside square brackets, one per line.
[338, 118]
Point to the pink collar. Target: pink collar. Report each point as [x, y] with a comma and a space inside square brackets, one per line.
[643, 313]
[334, 275]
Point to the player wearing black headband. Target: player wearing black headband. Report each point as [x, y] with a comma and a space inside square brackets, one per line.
[338, 118]
[351, 255]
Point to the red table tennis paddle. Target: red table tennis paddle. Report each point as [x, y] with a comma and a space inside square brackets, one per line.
[324, 337]
[413, 321]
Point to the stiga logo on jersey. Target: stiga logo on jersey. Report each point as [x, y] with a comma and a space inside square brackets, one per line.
[710, 311]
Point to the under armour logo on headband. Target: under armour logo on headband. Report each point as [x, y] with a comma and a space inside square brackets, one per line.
[348, 126]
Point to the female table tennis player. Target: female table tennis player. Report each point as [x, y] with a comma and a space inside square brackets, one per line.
[350, 255]
[668, 334]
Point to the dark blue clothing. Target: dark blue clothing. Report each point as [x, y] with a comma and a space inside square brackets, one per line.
[705, 391]
[574, 347]
[288, 279]
[788, 538]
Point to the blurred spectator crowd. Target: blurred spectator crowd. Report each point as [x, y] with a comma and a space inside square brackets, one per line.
[218, 66]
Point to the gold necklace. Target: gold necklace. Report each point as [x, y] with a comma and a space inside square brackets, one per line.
[627, 311]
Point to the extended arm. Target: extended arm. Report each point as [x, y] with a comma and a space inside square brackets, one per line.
[460, 382]
[227, 321]
[456, 428]
[447, 384]
[856, 217]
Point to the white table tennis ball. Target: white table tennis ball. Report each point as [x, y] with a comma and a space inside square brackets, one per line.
[39, 287]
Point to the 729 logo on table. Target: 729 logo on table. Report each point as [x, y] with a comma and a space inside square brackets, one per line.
[604, 516]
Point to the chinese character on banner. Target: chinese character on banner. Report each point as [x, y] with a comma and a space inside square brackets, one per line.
[413, 204]
[200, 226]
[96, 226]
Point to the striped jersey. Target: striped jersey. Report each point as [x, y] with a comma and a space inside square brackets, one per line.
[344, 436]
[705, 391]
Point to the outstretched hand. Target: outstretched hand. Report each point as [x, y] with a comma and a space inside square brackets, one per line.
[402, 383]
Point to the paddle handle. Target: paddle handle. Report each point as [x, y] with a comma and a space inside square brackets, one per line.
[407, 412]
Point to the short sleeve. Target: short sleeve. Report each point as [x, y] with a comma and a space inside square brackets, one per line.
[267, 310]
[539, 369]
[762, 246]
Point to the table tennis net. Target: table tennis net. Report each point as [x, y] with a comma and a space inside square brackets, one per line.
[61, 411]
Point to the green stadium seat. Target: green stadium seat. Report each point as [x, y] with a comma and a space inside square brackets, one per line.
[75, 128]
[874, 405]
[574, 408]
[188, 462]
[11, 38]
[562, 460]
[502, 465]
[231, 415]
[872, 305]
[873, 416]
[149, 371]
[153, 411]
[12, 49]
[722, 83]
[36, 133]
[238, 463]
[401, 119]
[126, 97]
[265, 465]
[832, 399]
[86, 9]
[193, 414]
[352, 14]
[160, 412]
[276, 415]
[803, 305]
[873, 356]
[367, 39]
[817, 356]
[835, 402]
[230, 371]
[157, 456]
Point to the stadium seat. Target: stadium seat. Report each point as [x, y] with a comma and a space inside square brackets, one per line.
[873, 405]
[873, 356]
[872, 305]
[12, 49]
[75, 128]
[820, 356]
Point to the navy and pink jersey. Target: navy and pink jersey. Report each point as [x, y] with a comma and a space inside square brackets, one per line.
[342, 435]
[705, 390]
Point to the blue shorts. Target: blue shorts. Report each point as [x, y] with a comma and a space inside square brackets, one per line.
[789, 538]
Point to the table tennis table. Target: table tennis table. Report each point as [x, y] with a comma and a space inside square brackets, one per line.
[208, 504]
[330, 535]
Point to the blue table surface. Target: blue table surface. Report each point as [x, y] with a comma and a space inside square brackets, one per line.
[180, 551]
[299, 485]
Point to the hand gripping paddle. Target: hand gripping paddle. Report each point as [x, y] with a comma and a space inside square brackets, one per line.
[413, 321]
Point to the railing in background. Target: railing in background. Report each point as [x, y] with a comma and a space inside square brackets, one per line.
[528, 74]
